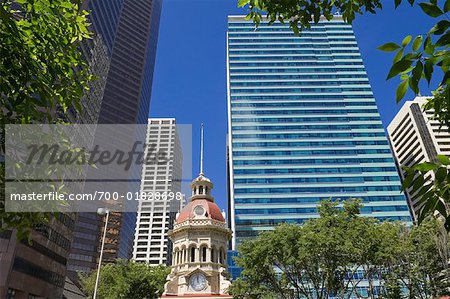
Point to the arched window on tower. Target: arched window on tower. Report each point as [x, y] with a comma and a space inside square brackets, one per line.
[176, 257]
[213, 255]
[192, 254]
[183, 255]
[204, 254]
[221, 256]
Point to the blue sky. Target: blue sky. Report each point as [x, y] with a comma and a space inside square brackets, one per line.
[190, 73]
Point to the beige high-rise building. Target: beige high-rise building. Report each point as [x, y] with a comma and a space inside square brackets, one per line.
[415, 137]
[161, 182]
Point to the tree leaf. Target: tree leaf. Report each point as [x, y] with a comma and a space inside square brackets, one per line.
[440, 27]
[67, 5]
[398, 56]
[431, 9]
[416, 74]
[441, 208]
[426, 208]
[399, 67]
[445, 160]
[389, 47]
[440, 174]
[446, 78]
[428, 70]
[428, 45]
[447, 6]
[408, 180]
[444, 40]
[242, 3]
[397, 3]
[426, 166]
[406, 40]
[417, 43]
[418, 183]
[401, 90]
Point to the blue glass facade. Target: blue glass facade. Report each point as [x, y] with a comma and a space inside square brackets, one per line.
[303, 126]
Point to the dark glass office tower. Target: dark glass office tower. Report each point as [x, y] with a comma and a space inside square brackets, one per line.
[129, 31]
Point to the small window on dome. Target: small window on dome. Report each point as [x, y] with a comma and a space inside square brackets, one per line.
[199, 211]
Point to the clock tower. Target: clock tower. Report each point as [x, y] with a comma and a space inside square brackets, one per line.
[200, 239]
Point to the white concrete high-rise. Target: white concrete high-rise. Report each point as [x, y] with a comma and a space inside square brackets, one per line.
[415, 137]
[161, 183]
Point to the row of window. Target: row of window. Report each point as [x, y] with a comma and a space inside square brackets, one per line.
[307, 135]
[152, 255]
[299, 39]
[318, 97]
[285, 29]
[291, 57]
[85, 236]
[293, 46]
[286, 52]
[307, 127]
[311, 152]
[327, 189]
[53, 236]
[283, 78]
[273, 222]
[48, 252]
[297, 83]
[83, 246]
[295, 90]
[303, 111]
[257, 33]
[317, 119]
[315, 200]
[29, 268]
[232, 23]
[317, 180]
[317, 69]
[294, 63]
[318, 161]
[81, 257]
[301, 104]
[272, 211]
[308, 143]
[314, 170]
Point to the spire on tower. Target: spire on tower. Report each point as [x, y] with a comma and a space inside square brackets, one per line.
[201, 150]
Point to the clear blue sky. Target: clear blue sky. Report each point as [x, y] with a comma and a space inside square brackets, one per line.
[190, 74]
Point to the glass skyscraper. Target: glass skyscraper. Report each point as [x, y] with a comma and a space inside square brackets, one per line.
[128, 30]
[303, 126]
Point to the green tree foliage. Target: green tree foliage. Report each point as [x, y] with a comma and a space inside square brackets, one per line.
[41, 67]
[42, 72]
[127, 280]
[314, 260]
[433, 195]
[416, 60]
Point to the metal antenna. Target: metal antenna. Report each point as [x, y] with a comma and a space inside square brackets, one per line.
[201, 150]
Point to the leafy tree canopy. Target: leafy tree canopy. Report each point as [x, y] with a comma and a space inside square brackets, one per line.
[127, 280]
[42, 71]
[316, 259]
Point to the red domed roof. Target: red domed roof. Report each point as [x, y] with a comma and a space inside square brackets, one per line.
[211, 211]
